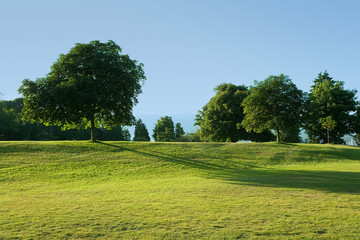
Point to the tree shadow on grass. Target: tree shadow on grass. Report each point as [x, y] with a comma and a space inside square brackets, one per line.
[329, 181]
[315, 155]
[246, 174]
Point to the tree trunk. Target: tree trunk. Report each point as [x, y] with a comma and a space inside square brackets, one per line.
[328, 133]
[277, 135]
[93, 138]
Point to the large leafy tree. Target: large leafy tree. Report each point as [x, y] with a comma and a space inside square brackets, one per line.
[273, 104]
[328, 98]
[220, 118]
[141, 133]
[91, 86]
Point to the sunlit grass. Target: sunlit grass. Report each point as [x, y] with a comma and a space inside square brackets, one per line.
[178, 190]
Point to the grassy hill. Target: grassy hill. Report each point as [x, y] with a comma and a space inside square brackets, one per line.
[133, 190]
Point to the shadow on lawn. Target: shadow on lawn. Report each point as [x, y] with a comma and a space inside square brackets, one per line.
[329, 181]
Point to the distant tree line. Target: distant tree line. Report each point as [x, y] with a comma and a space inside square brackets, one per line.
[92, 89]
[273, 109]
[164, 131]
[276, 105]
[14, 127]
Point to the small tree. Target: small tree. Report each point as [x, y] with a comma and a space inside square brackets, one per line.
[179, 131]
[141, 133]
[91, 86]
[329, 124]
[164, 130]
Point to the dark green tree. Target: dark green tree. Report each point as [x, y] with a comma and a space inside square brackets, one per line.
[141, 133]
[164, 130]
[114, 134]
[17, 104]
[291, 135]
[9, 122]
[220, 118]
[179, 131]
[273, 104]
[329, 98]
[357, 126]
[91, 86]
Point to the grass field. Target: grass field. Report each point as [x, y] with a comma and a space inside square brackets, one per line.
[71, 190]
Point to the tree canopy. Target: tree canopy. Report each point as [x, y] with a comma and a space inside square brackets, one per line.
[9, 121]
[273, 104]
[165, 131]
[179, 131]
[92, 85]
[328, 98]
[141, 133]
[221, 117]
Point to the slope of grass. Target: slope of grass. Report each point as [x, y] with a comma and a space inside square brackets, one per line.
[129, 190]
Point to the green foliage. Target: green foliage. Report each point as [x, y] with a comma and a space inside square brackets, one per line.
[356, 124]
[291, 135]
[164, 130]
[15, 128]
[220, 118]
[273, 104]
[190, 137]
[91, 86]
[357, 139]
[329, 98]
[141, 133]
[9, 122]
[329, 124]
[179, 131]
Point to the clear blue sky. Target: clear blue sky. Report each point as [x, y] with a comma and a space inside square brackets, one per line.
[187, 47]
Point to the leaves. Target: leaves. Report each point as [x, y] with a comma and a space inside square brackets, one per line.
[220, 119]
[273, 104]
[93, 82]
[164, 130]
[141, 133]
[329, 98]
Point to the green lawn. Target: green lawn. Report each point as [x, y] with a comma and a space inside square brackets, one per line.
[71, 190]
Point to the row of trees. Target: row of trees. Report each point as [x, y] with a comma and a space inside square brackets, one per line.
[164, 131]
[95, 86]
[276, 105]
[14, 127]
